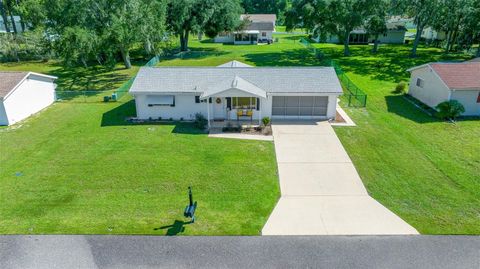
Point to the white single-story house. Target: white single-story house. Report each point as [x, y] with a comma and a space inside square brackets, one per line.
[23, 94]
[259, 30]
[232, 92]
[395, 35]
[430, 34]
[434, 83]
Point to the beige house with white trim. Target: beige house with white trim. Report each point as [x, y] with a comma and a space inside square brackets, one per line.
[434, 83]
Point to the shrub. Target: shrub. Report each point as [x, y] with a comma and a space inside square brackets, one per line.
[266, 121]
[450, 109]
[200, 121]
[400, 88]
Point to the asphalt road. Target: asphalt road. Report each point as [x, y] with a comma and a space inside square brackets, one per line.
[239, 252]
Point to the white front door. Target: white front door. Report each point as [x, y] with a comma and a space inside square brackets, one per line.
[219, 112]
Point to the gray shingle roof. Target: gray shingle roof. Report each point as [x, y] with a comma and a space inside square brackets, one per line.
[261, 26]
[259, 17]
[8, 80]
[270, 79]
[237, 83]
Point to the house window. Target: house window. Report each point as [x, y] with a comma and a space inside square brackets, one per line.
[264, 34]
[420, 83]
[478, 98]
[161, 100]
[197, 99]
[244, 102]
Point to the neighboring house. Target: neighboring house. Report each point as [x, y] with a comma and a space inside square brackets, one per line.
[23, 94]
[434, 83]
[224, 93]
[259, 30]
[18, 24]
[430, 34]
[395, 35]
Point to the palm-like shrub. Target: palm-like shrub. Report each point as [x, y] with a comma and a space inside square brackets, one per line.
[450, 109]
[266, 121]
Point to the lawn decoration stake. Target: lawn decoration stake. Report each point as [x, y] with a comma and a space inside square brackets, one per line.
[190, 209]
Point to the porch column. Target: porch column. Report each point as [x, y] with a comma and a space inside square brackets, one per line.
[260, 112]
[208, 112]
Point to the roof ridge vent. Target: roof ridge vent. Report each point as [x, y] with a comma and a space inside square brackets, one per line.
[235, 82]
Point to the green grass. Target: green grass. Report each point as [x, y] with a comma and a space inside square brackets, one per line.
[423, 169]
[287, 51]
[79, 169]
[94, 78]
[78, 176]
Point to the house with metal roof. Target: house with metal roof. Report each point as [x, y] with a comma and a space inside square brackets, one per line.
[23, 94]
[434, 83]
[231, 92]
[259, 29]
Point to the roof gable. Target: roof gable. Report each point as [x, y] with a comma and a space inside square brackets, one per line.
[234, 64]
[237, 83]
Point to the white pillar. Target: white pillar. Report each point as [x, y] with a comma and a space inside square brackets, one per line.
[208, 112]
[260, 112]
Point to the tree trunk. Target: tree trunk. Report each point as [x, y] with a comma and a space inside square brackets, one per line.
[14, 25]
[22, 24]
[184, 41]
[126, 57]
[4, 16]
[449, 38]
[375, 44]
[478, 51]
[346, 42]
[417, 40]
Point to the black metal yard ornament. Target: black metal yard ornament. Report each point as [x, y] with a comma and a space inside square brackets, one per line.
[190, 209]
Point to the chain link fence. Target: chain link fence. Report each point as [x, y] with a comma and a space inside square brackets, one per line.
[353, 95]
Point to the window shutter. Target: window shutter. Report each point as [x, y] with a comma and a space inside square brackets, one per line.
[229, 103]
[258, 103]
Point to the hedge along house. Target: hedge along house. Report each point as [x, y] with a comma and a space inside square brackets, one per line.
[434, 83]
[260, 28]
[23, 94]
[233, 92]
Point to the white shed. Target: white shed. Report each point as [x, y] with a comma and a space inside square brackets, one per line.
[23, 94]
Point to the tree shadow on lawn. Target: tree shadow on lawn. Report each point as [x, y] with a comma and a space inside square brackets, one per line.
[119, 115]
[399, 105]
[295, 57]
[177, 227]
[390, 63]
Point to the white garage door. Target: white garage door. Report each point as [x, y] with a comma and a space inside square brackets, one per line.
[299, 106]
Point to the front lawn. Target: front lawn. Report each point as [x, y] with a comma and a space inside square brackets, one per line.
[422, 168]
[79, 169]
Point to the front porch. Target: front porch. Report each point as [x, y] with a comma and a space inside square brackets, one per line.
[236, 102]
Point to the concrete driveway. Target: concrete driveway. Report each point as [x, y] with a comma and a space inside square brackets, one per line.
[322, 193]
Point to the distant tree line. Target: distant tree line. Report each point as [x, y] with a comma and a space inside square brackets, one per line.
[105, 31]
[460, 19]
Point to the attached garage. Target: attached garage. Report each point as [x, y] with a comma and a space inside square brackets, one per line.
[299, 106]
